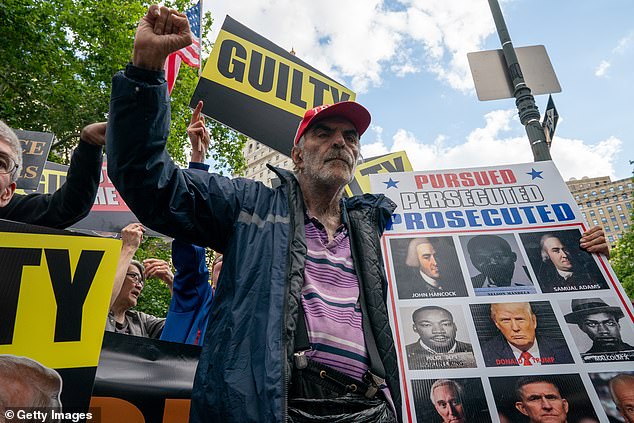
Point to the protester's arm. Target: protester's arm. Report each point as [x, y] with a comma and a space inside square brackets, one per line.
[160, 269]
[191, 282]
[74, 199]
[193, 206]
[593, 241]
[131, 237]
[198, 135]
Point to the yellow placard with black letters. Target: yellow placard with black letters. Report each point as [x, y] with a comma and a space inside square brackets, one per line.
[389, 163]
[260, 89]
[55, 295]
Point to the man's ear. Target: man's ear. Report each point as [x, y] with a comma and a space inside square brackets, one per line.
[7, 194]
[520, 407]
[297, 155]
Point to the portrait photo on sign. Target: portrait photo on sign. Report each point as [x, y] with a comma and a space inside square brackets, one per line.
[495, 265]
[520, 334]
[542, 398]
[600, 329]
[32, 384]
[616, 393]
[450, 400]
[560, 265]
[427, 267]
[436, 337]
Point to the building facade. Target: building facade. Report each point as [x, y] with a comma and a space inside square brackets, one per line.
[257, 156]
[604, 202]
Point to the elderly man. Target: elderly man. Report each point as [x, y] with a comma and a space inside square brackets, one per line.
[70, 203]
[425, 279]
[540, 400]
[26, 383]
[129, 282]
[448, 399]
[517, 343]
[300, 263]
[437, 346]
[600, 322]
[622, 392]
[560, 271]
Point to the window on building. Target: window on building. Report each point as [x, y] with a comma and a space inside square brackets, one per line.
[629, 185]
[610, 238]
[628, 205]
[611, 189]
[604, 220]
[592, 213]
[597, 203]
[600, 211]
[594, 193]
[619, 207]
[595, 222]
[619, 236]
[609, 209]
[602, 191]
[577, 197]
[622, 216]
[616, 227]
[620, 187]
[607, 229]
[625, 226]
[584, 215]
[606, 200]
[624, 196]
[585, 195]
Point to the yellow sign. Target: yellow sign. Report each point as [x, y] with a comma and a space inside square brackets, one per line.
[251, 69]
[55, 296]
[394, 162]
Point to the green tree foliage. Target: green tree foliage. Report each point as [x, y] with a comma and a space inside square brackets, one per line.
[622, 260]
[56, 65]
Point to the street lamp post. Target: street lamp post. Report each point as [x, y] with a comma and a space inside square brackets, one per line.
[524, 100]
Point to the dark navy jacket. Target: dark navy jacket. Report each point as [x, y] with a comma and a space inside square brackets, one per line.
[245, 365]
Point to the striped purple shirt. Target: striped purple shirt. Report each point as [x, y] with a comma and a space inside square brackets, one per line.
[330, 297]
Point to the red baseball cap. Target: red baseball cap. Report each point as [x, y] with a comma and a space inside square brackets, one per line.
[350, 110]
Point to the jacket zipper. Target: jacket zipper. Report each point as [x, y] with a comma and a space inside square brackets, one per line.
[285, 312]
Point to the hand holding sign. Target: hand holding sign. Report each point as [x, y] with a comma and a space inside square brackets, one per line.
[593, 241]
[198, 135]
[160, 32]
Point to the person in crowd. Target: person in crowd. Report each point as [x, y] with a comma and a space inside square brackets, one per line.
[493, 257]
[129, 282]
[278, 244]
[25, 383]
[190, 306]
[622, 392]
[600, 322]
[72, 201]
[560, 269]
[448, 399]
[425, 277]
[517, 342]
[437, 335]
[540, 400]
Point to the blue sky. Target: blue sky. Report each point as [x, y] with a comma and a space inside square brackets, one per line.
[407, 62]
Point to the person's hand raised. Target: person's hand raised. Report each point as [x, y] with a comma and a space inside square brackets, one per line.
[160, 32]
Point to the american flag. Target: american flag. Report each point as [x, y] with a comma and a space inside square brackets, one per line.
[189, 54]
